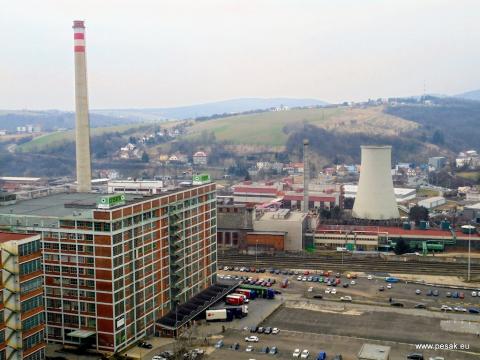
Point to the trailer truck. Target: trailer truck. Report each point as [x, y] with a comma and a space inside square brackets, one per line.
[219, 315]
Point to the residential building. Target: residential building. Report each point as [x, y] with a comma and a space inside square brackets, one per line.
[115, 264]
[22, 316]
[200, 158]
[437, 162]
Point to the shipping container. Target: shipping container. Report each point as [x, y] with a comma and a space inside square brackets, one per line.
[245, 298]
[250, 294]
[234, 300]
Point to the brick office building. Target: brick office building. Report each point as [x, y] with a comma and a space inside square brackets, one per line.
[22, 314]
[113, 265]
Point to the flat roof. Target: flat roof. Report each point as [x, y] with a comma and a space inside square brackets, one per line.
[374, 352]
[19, 178]
[7, 236]
[81, 204]
[473, 207]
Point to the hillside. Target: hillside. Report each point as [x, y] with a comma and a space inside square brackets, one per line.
[470, 95]
[272, 128]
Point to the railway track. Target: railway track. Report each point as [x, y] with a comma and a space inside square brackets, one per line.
[349, 264]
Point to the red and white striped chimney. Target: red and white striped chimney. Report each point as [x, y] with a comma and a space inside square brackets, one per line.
[82, 122]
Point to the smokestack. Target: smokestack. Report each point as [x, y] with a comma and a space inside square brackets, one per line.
[82, 122]
[306, 176]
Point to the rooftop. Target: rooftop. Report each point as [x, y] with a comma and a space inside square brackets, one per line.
[7, 236]
[282, 215]
[77, 203]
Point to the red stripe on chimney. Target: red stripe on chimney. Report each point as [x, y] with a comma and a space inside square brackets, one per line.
[79, 48]
[79, 36]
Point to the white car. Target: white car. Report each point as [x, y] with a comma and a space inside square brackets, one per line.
[389, 286]
[369, 277]
[460, 309]
[352, 282]
[310, 289]
[304, 278]
[437, 358]
[446, 308]
[346, 298]
[249, 348]
[474, 293]
[299, 278]
[333, 291]
[275, 330]
[418, 291]
[327, 291]
[296, 353]
[252, 338]
[225, 268]
[305, 354]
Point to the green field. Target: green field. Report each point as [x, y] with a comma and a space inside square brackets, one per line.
[267, 128]
[52, 139]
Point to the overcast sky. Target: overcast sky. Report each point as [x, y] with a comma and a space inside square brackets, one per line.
[156, 53]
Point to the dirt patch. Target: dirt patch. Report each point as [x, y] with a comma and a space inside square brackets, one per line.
[305, 305]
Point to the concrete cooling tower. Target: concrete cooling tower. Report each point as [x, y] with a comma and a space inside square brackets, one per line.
[375, 199]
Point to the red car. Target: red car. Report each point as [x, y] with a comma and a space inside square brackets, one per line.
[461, 295]
[306, 272]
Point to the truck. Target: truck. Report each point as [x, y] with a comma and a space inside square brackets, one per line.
[245, 298]
[250, 294]
[238, 311]
[270, 294]
[234, 300]
[219, 315]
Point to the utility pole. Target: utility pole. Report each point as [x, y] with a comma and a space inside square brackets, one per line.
[256, 253]
[469, 242]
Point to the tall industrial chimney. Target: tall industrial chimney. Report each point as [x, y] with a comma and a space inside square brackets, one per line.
[306, 176]
[82, 123]
[375, 199]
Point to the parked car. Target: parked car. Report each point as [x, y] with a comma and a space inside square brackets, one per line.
[429, 292]
[473, 311]
[333, 291]
[436, 292]
[353, 282]
[446, 308]
[275, 331]
[305, 354]
[448, 294]
[420, 306]
[474, 293]
[253, 329]
[310, 289]
[381, 288]
[327, 291]
[322, 355]
[461, 295]
[219, 344]
[345, 285]
[296, 353]
[418, 291]
[273, 350]
[389, 286]
[145, 345]
[346, 298]
[318, 296]
[455, 295]
[235, 346]
[252, 338]
[397, 304]
[459, 309]
[260, 330]
[369, 277]
[249, 348]
[268, 330]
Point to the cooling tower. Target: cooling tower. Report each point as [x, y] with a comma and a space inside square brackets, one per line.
[82, 122]
[375, 198]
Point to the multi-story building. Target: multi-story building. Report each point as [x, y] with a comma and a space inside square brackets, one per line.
[115, 264]
[22, 316]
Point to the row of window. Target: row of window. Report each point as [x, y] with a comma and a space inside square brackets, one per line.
[33, 340]
[57, 292]
[32, 303]
[30, 267]
[29, 248]
[33, 321]
[30, 285]
[69, 270]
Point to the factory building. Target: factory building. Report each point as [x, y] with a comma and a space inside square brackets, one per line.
[22, 319]
[401, 194]
[432, 202]
[113, 265]
[234, 222]
[145, 187]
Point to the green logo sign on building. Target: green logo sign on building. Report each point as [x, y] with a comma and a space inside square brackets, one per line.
[107, 202]
[201, 179]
